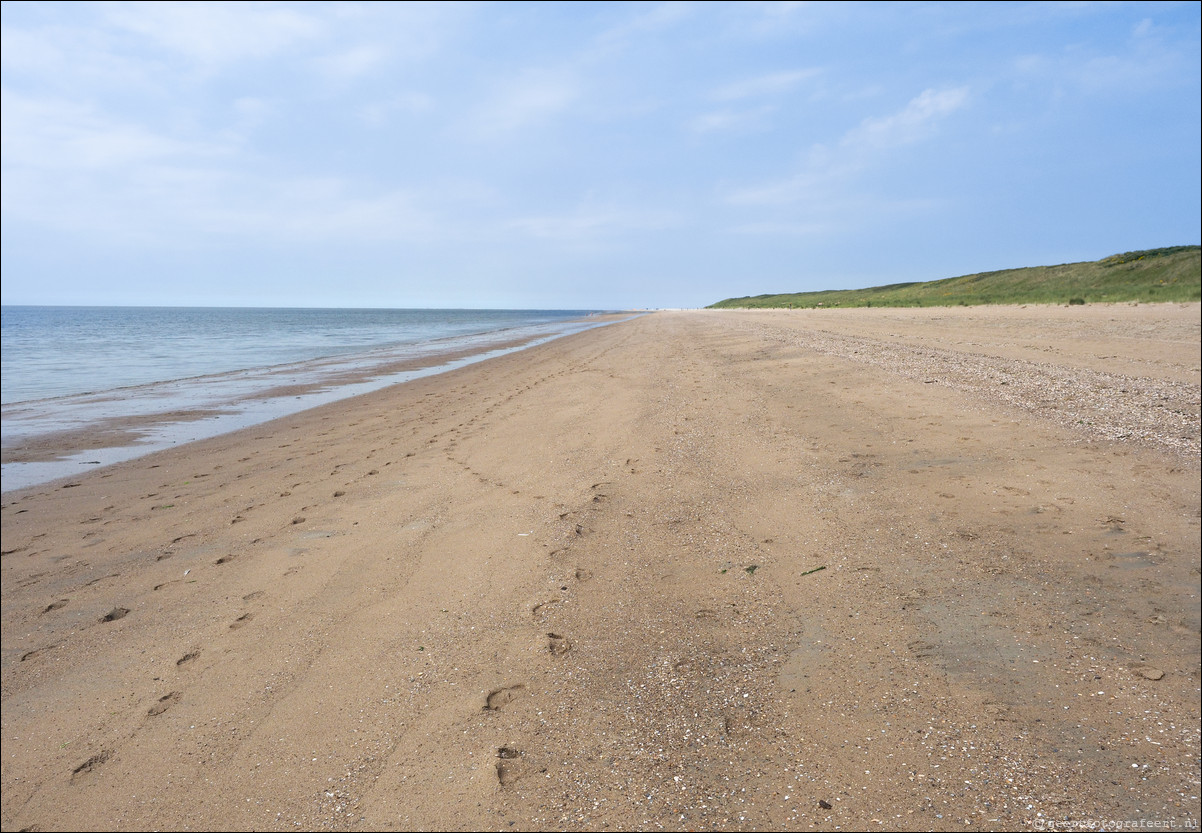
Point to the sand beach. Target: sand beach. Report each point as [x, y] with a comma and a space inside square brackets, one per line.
[740, 570]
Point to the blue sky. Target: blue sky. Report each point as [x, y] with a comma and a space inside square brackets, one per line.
[582, 155]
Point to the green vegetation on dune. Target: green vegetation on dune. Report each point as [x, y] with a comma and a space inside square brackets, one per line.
[1153, 275]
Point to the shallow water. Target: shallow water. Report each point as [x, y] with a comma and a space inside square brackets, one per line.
[86, 387]
[57, 351]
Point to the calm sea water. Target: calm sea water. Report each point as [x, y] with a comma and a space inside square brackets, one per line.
[57, 351]
[187, 373]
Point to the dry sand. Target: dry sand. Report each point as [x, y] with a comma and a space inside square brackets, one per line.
[887, 569]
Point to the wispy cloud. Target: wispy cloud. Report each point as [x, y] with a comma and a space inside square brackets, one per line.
[216, 34]
[748, 118]
[530, 97]
[55, 134]
[771, 84]
[795, 228]
[114, 128]
[914, 122]
[770, 19]
[858, 149]
[377, 113]
[319, 209]
[1148, 62]
[181, 207]
[72, 168]
[827, 211]
[656, 19]
[74, 60]
[592, 223]
[291, 212]
[755, 118]
[314, 127]
[349, 64]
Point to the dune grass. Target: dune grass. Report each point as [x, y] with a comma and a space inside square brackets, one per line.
[1149, 276]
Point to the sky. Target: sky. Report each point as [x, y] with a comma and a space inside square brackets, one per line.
[581, 155]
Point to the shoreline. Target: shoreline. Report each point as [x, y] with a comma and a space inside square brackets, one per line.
[37, 451]
[696, 570]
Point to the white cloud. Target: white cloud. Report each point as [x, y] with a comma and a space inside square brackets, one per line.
[71, 168]
[313, 209]
[22, 50]
[914, 122]
[787, 190]
[352, 63]
[826, 171]
[377, 113]
[214, 34]
[251, 112]
[659, 17]
[732, 120]
[1153, 60]
[748, 119]
[531, 97]
[87, 150]
[774, 83]
[180, 206]
[826, 210]
[591, 223]
[772, 19]
[52, 134]
[73, 59]
[796, 228]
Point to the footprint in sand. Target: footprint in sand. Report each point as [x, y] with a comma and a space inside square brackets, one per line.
[115, 614]
[558, 645]
[31, 654]
[509, 765]
[90, 764]
[187, 658]
[922, 648]
[498, 698]
[165, 702]
[55, 605]
[241, 620]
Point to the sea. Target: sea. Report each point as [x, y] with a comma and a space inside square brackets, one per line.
[154, 377]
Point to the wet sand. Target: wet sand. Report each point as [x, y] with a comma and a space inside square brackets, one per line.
[897, 569]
